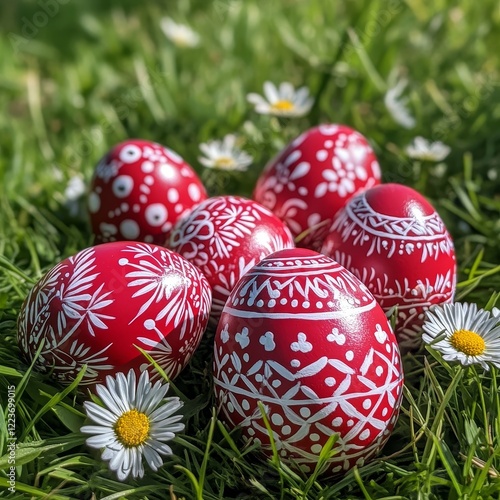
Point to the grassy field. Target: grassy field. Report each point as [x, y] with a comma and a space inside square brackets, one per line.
[78, 77]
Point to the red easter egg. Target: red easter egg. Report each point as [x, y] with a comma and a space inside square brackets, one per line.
[305, 337]
[93, 308]
[139, 190]
[396, 243]
[224, 237]
[314, 176]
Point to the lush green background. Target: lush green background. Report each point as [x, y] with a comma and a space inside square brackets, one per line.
[98, 72]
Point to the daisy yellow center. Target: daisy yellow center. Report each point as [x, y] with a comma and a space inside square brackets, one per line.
[282, 105]
[132, 428]
[180, 40]
[224, 162]
[468, 342]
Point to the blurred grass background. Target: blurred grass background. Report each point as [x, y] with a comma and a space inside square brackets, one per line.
[78, 77]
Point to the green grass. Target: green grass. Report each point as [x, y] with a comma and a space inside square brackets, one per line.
[96, 74]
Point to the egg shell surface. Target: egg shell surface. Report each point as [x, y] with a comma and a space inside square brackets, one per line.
[224, 237]
[396, 243]
[314, 176]
[305, 337]
[138, 191]
[93, 307]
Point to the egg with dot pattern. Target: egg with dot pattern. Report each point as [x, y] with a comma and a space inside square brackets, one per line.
[98, 306]
[305, 337]
[138, 192]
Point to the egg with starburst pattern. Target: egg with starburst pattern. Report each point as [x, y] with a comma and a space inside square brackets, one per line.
[96, 308]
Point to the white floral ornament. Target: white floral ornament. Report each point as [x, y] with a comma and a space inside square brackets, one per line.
[224, 155]
[135, 422]
[285, 101]
[422, 149]
[397, 105]
[464, 333]
[180, 34]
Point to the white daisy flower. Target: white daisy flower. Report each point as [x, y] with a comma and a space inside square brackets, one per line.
[496, 312]
[285, 101]
[422, 149]
[134, 423]
[463, 333]
[75, 189]
[397, 105]
[180, 34]
[224, 155]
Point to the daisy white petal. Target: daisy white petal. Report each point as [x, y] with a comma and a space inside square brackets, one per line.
[75, 189]
[229, 142]
[256, 99]
[422, 149]
[287, 91]
[100, 415]
[111, 450]
[463, 333]
[302, 96]
[163, 413]
[153, 458]
[96, 429]
[150, 402]
[285, 101]
[143, 388]
[180, 34]
[134, 424]
[224, 155]
[160, 447]
[173, 425]
[396, 105]
[271, 92]
[100, 440]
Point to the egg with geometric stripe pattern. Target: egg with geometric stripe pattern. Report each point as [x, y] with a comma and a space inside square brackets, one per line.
[305, 337]
[396, 243]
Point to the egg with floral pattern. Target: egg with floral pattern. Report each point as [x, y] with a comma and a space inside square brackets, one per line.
[305, 337]
[396, 243]
[224, 237]
[97, 307]
[314, 176]
[139, 190]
